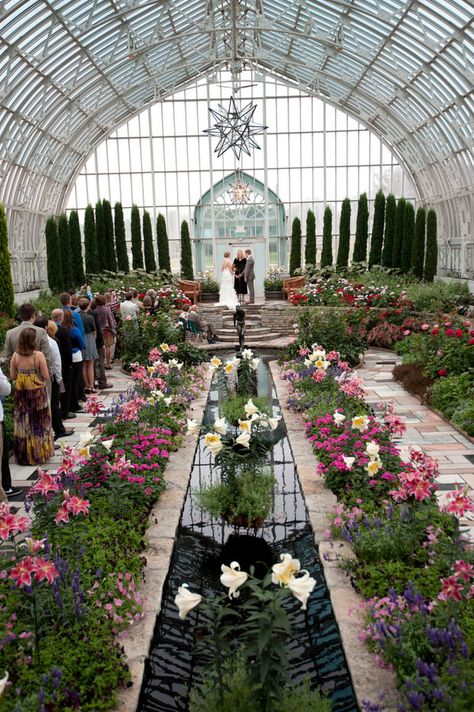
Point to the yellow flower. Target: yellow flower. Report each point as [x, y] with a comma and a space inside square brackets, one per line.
[229, 367]
[360, 422]
[321, 363]
[164, 348]
[283, 573]
[84, 451]
[150, 369]
[216, 362]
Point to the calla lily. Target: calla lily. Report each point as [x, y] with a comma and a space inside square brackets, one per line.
[186, 600]
[232, 577]
[243, 439]
[301, 587]
[284, 572]
[250, 408]
[213, 442]
[193, 427]
[220, 426]
[338, 418]
[245, 426]
[3, 683]
[348, 461]
[372, 450]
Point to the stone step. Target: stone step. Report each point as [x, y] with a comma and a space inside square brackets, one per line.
[250, 338]
[248, 319]
[254, 331]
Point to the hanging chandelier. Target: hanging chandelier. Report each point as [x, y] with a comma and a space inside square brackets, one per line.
[235, 128]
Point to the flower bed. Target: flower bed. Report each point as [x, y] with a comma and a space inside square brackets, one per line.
[69, 579]
[413, 568]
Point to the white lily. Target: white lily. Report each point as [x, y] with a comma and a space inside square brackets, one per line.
[174, 363]
[245, 426]
[186, 600]
[108, 444]
[273, 423]
[232, 577]
[373, 466]
[307, 362]
[360, 422]
[228, 368]
[220, 426]
[301, 588]
[192, 426]
[215, 362]
[254, 363]
[348, 461]
[338, 418]
[3, 683]
[213, 442]
[322, 364]
[243, 439]
[372, 449]
[167, 400]
[247, 354]
[250, 408]
[86, 438]
[157, 394]
[284, 572]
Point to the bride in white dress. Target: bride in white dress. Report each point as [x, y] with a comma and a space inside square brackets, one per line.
[227, 295]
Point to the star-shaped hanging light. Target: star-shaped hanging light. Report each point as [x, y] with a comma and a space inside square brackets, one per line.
[239, 192]
[235, 128]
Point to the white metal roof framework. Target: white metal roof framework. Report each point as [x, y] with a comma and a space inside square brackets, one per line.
[73, 70]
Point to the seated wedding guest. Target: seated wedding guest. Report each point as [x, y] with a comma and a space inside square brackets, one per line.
[128, 307]
[90, 352]
[5, 390]
[32, 432]
[207, 329]
[65, 349]
[77, 346]
[148, 305]
[27, 315]
[107, 325]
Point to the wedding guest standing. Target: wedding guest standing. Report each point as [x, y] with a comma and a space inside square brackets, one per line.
[32, 432]
[90, 352]
[238, 266]
[77, 347]
[27, 315]
[65, 349]
[5, 389]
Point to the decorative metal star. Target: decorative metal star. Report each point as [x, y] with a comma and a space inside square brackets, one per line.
[235, 128]
[239, 192]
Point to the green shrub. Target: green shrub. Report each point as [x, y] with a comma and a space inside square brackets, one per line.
[326, 252]
[340, 333]
[110, 256]
[245, 500]
[408, 237]
[120, 239]
[137, 254]
[149, 250]
[431, 260]
[53, 256]
[164, 261]
[398, 233]
[418, 254]
[344, 235]
[232, 409]
[310, 246]
[362, 228]
[377, 230]
[463, 416]
[7, 303]
[100, 237]
[450, 394]
[295, 254]
[65, 247]
[90, 244]
[186, 253]
[78, 276]
[389, 235]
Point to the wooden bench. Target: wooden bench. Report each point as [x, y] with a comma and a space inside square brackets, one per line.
[192, 290]
[291, 285]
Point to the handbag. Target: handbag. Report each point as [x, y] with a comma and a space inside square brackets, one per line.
[77, 357]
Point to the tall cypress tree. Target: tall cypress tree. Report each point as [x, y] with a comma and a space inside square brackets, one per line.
[431, 261]
[295, 254]
[310, 247]
[65, 247]
[100, 236]
[326, 252]
[342, 260]
[377, 230]
[77, 265]
[120, 239]
[53, 256]
[137, 254]
[186, 253]
[148, 248]
[110, 257]
[390, 212]
[362, 230]
[418, 253]
[398, 233]
[7, 300]
[90, 246]
[408, 237]
[164, 260]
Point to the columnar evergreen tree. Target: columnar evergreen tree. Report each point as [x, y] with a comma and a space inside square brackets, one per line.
[408, 237]
[120, 239]
[53, 256]
[398, 233]
[164, 260]
[377, 230]
[110, 256]
[418, 253]
[390, 212]
[137, 254]
[362, 230]
[100, 236]
[326, 252]
[7, 303]
[431, 260]
[310, 247]
[186, 253]
[65, 247]
[295, 254]
[342, 260]
[77, 265]
[90, 246]
[148, 248]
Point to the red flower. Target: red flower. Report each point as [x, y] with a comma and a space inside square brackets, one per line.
[449, 332]
[459, 332]
[470, 342]
[435, 332]
[442, 372]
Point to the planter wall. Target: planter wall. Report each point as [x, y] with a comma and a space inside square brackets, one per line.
[209, 297]
[278, 294]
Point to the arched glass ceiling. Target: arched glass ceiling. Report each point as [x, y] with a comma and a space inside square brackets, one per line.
[72, 70]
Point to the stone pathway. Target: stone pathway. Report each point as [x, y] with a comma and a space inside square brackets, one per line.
[425, 429]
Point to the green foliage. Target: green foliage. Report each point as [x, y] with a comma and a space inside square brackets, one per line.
[245, 500]
[186, 253]
[344, 235]
[137, 255]
[148, 248]
[326, 253]
[7, 304]
[100, 237]
[389, 235]
[360, 245]
[53, 256]
[64, 240]
[90, 244]
[463, 416]
[339, 333]
[418, 252]
[77, 265]
[310, 246]
[110, 256]
[209, 285]
[295, 254]
[232, 409]
[120, 239]
[163, 244]
[377, 230]
[398, 233]
[431, 261]
[408, 237]
[446, 353]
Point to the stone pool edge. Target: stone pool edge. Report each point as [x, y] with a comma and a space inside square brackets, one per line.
[369, 681]
[160, 539]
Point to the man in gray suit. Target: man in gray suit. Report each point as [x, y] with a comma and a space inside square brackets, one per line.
[27, 314]
[249, 276]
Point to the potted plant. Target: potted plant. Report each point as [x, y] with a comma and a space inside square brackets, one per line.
[209, 287]
[273, 283]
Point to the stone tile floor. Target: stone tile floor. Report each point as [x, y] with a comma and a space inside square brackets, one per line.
[425, 429]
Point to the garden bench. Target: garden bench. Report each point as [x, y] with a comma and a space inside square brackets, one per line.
[191, 289]
[291, 285]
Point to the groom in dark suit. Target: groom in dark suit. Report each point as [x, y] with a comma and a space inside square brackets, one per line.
[249, 275]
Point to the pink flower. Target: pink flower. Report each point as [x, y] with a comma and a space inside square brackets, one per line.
[93, 406]
[407, 332]
[450, 588]
[463, 569]
[45, 570]
[62, 515]
[425, 327]
[76, 505]
[458, 503]
[22, 572]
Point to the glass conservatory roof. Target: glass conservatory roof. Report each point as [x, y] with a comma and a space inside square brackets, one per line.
[73, 70]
